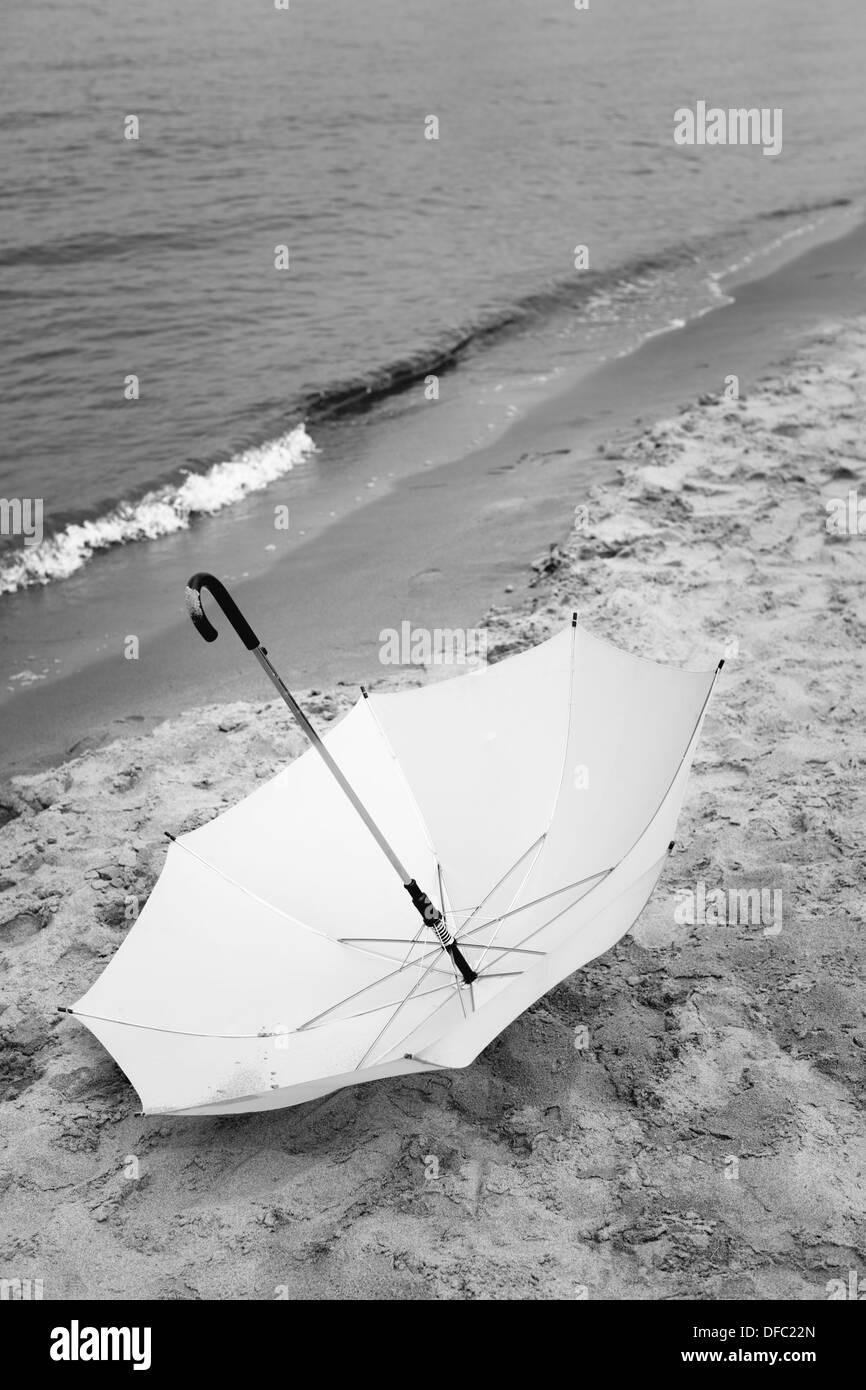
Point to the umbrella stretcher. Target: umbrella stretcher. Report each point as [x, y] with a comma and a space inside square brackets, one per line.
[280, 957]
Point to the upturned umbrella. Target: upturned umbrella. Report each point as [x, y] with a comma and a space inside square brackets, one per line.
[396, 896]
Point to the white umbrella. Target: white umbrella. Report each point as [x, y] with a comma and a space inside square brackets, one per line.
[281, 954]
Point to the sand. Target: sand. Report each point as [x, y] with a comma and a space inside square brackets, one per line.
[680, 1119]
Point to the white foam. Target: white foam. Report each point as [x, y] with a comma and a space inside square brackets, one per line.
[157, 513]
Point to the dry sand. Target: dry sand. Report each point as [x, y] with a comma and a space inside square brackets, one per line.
[707, 1142]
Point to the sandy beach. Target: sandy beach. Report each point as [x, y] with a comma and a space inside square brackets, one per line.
[704, 1140]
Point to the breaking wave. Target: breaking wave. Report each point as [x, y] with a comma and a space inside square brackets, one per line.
[160, 512]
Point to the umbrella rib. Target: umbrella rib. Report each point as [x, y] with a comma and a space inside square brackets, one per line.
[181, 844]
[388, 1023]
[404, 941]
[488, 946]
[296, 921]
[559, 785]
[689, 742]
[543, 927]
[518, 890]
[419, 960]
[364, 988]
[499, 882]
[600, 875]
[442, 897]
[175, 1032]
[412, 994]
[364, 1013]
[400, 1041]
[459, 992]
[186, 1033]
[416, 941]
[420, 980]
[581, 899]
[548, 923]
[387, 742]
[568, 725]
[443, 892]
[524, 907]
[394, 940]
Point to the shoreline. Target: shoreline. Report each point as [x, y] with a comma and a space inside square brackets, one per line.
[709, 1043]
[414, 552]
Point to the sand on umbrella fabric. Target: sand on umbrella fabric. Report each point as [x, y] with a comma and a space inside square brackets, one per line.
[396, 896]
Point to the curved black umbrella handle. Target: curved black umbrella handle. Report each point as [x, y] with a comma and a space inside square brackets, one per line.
[226, 603]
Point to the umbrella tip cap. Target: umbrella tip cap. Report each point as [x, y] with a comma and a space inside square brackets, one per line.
[671, 846]
[574, 620]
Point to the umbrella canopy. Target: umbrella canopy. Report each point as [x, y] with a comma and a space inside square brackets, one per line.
[279, 958]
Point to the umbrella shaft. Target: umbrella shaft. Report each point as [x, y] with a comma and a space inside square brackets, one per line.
[262, 657]
[432, 916]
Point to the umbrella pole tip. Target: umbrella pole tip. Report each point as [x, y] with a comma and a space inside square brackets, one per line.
[574, 620]
[62, 1009]
[671, 846]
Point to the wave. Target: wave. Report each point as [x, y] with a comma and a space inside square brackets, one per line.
[362, 393]
[563, 295]
[88, 247]
[803, 209]
[158, 513]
